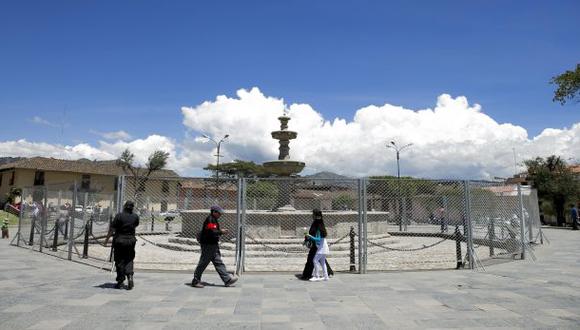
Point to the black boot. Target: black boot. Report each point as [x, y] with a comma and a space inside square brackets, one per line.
[119, 284]
[131, 284]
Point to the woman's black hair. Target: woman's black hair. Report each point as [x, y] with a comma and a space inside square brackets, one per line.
[318, 223]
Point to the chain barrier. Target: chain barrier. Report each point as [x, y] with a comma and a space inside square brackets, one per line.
[407, 250]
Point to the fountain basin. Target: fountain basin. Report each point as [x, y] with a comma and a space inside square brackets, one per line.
[284, 135]
[284, 167]
[273, 224]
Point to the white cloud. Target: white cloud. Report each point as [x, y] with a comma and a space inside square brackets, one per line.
[454, 139]
[116, 135]
[41, 121]
[26, 148]
[142, 148]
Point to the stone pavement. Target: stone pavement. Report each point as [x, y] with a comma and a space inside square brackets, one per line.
[38, 291]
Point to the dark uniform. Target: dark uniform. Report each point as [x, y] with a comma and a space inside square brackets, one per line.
[123, 227]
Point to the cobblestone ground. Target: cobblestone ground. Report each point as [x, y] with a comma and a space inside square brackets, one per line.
[38, 291]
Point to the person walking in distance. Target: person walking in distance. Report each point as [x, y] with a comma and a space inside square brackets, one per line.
[210, 252]
[123, 230]
[575, 217]
[319, 238]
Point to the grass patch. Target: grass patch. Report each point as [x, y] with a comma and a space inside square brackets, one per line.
[12, 219]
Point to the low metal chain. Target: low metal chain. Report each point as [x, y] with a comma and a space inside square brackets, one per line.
[97, 240]
[406, 250]
[272, 248]
[287, 250]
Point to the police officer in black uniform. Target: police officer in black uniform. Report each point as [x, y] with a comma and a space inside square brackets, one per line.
[123, 230]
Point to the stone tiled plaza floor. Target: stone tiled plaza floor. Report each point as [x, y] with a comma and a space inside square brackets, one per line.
[41, 292]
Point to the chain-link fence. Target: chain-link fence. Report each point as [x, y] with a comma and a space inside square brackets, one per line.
[372, 224]
[415, 224]
[64, 220]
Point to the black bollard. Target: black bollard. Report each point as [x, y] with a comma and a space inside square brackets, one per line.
[55, 239]
[352, 260]
[458, 247]
[491, 235]
[86, 242]
[65, 228]
[152, 222]
[32, 225]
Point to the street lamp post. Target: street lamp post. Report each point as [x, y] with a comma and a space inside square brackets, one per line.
[393, 145]
[217, 167]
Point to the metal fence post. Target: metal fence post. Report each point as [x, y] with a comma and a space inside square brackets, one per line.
[365, 221]
[467, 216]
[71, 235]
[491, 235]
[238, 224]
[522, 221]
[55, 236]
[43, 218]
[243, 227]
[360, 227]
[529, 225]
[20, 216]
[351, 234]
[120, 193]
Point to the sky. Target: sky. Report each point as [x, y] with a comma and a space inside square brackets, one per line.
[466, 82]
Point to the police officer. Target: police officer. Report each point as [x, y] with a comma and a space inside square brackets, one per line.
[210, 251]
[123, 230]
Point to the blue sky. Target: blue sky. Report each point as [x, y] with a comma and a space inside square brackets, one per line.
[131, 65]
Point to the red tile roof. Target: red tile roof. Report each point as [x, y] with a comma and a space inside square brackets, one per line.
[85, 166]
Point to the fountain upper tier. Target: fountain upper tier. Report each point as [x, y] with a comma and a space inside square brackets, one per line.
[284, 135]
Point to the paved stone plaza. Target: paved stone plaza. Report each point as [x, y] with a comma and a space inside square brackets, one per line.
[38, 291]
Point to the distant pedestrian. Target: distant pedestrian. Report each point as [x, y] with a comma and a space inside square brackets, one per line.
[574, 216]
[319, 238]
[5, 233]
[210, 251]
[123, 230]
[442, 220]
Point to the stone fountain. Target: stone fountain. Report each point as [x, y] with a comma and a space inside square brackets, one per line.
[284, 167]
[283, 220]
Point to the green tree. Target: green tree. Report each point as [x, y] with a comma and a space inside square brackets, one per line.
[343, 202]
[568, 85]
[555, 183]
[139, 175]
[262, 194]
[239, 168]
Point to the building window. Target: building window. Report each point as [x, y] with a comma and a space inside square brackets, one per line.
[116, 183]
[39, 178]
[86, 182]
[163, 206]
[12, 179]
[165, 186]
